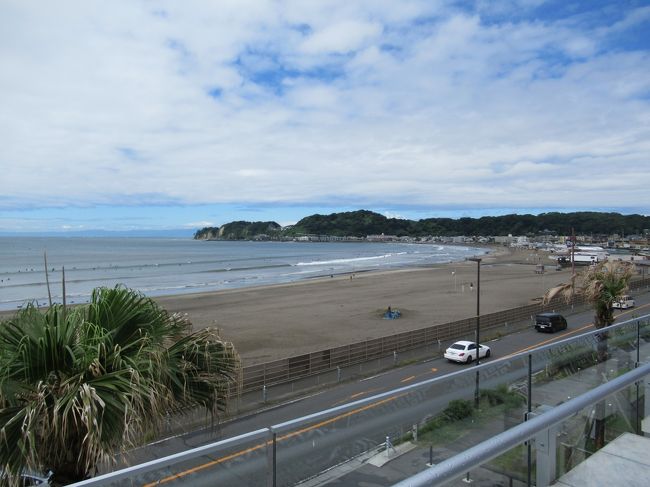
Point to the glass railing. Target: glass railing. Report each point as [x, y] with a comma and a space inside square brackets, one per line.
[432, 420]
[559, 439]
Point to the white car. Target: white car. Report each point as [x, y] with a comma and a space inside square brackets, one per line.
[624, 302]
[465, 351]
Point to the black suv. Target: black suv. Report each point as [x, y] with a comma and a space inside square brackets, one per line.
[550, 322]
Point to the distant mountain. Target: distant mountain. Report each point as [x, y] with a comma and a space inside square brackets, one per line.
[361, 223]
[355, 224]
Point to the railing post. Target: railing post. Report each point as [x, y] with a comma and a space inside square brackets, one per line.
[637, 386]
[529, 407]
[546, 449]
[645, 422]
[389, 446]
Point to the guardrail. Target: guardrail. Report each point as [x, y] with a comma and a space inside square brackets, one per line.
[263, 461]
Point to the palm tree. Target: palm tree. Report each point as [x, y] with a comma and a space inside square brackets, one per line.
[602, 285]
[78, 385]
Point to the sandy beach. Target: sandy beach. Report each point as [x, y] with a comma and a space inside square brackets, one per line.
[272, 322]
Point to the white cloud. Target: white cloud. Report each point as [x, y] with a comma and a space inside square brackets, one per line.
[390, 214]
[342, 37]
[631, 19]
[297, 102]
[199, 224]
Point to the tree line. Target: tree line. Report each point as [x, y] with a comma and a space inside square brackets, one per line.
[361, 223]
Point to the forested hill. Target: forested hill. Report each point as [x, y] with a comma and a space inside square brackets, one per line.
[363, 222]
[239, 230]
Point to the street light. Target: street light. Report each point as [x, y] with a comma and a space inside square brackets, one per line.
[478, 322]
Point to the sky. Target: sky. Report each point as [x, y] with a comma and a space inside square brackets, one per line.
[155, 115]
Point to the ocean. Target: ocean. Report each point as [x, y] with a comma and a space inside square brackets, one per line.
[160, 266]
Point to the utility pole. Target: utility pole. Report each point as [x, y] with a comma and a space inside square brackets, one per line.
[477, 394]
[573, 265]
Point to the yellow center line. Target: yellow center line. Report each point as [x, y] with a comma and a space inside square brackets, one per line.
[206, 465]
[632, 310]
[267, 443]
[345, 415]
[354, 396]
[342, 416]
[557, 337]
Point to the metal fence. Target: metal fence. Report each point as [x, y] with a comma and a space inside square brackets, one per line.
[288, 369]
[255, 377]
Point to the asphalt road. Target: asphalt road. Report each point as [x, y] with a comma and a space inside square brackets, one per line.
[311, 448]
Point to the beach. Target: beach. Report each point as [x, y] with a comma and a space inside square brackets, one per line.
[272, 322]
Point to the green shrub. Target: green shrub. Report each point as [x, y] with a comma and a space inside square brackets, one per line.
[501, 395]
[458, 409]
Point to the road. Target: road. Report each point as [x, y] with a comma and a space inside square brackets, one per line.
[312, 448]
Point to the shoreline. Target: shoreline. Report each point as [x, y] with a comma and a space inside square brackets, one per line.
[274, 321]
[326, 277]
[173, 287]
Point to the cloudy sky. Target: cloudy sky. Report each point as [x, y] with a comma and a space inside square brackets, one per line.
[152, 115]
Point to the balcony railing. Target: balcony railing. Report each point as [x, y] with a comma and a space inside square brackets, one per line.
[438, 419]
[542, 428]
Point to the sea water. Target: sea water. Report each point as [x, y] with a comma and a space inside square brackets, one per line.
[158, 266]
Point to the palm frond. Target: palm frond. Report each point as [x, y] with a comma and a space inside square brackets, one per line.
[91, 380]
[565, 290]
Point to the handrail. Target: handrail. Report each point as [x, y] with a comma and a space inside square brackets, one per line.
[470, 372]
[159, 463]
[461, 463]
[287, 425]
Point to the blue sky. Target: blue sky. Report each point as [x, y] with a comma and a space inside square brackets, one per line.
[165, 115]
